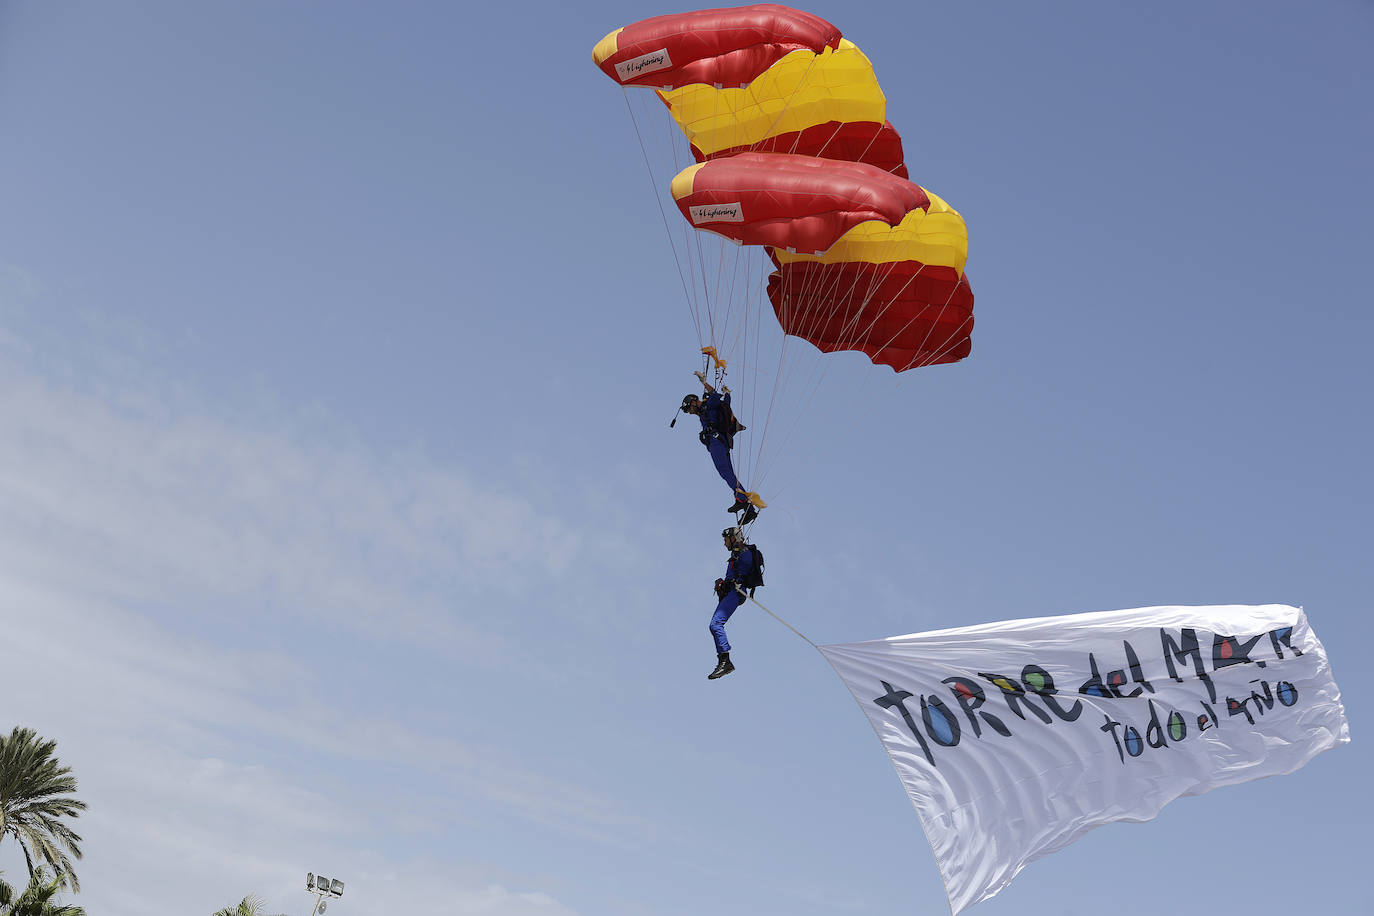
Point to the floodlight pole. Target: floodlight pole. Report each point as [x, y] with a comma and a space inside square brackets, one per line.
[322, 887]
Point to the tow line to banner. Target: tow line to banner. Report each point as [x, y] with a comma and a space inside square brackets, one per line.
[781, 621]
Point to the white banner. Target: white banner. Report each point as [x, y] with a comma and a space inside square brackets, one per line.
[1014, 739]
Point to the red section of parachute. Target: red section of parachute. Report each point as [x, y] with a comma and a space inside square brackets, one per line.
[902, 315]
[728, 48]
[794, 202]
[878, 145]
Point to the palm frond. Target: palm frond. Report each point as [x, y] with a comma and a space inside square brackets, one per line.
[35, 799]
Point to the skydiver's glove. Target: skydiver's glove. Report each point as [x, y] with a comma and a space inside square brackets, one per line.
[723, 588]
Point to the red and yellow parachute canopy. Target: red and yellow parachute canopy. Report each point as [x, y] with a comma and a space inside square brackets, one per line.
[788, 125]
[866, 261]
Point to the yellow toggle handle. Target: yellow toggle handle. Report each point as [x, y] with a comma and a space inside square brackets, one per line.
[711, 352]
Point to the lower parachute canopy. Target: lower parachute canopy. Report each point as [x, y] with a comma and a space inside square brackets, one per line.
[791, 201]
[866, 260]
[904, 314]
[896, 293]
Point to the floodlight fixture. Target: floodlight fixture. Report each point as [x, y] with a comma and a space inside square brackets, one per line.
[322, 887]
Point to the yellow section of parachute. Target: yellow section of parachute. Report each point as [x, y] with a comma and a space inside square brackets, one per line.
[801, 90]
[682, 183]
[938, 238]
[606, 46]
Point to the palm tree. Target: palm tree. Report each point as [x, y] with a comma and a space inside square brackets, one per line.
[37, 899]
[35, 792]
[248, 906]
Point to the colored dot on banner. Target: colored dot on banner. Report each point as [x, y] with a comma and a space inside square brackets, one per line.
[1134, 746]
[963, 691]
[1177, 728]
[1227, 649]
[940, 727]
[1036, 680]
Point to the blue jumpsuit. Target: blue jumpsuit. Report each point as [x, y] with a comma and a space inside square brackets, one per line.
[739, 568]
[716, 436]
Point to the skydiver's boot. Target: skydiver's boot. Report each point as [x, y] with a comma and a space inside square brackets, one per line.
[740, 503]
[723, 666]
[750, 513]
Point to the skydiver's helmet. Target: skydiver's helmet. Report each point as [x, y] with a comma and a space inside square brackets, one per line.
[734, 537]
[691, 403]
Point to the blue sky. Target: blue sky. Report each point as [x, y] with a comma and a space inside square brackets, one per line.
[341, 529]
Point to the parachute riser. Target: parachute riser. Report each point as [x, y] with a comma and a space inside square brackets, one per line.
[711, 362]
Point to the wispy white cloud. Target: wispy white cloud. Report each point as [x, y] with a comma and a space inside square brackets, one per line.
[136, 524]
[165, 735]
[147, 498]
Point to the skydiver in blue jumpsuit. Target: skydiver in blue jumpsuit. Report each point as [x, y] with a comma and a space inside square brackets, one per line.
[718, 435]
[730, 590]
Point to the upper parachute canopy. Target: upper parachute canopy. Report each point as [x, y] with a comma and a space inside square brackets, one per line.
[817, 104]
[789, 127]
[721, 47]
[763, 77]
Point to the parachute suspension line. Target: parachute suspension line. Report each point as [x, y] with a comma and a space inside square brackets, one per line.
[955, 338]
[658, 198]
[751, 322]
[809, 289]
[850, 335]
[706, 293]
[848, 342]
[936, 355]
[754, 279]
[839, 125]
[847, 338]
[785, 378]
[781, 621]
[818, 369]
[736, 256]
[868, 146]
[692, 241]
[786, 105]
[827, 289]
[780, 380]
